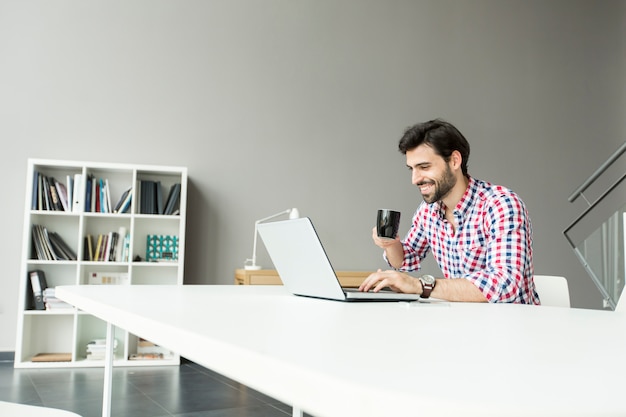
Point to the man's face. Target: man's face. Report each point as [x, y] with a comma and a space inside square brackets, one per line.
[430, 173]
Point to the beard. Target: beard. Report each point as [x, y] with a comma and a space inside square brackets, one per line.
[442, 186]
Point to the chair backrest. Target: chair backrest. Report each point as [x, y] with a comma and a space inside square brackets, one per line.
[553, 290]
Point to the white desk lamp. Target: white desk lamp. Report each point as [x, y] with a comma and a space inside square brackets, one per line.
[293, 214]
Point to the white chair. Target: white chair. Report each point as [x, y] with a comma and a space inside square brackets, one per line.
[552, 290]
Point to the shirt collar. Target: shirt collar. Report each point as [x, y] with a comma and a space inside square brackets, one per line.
[464, 204]
[468, 198]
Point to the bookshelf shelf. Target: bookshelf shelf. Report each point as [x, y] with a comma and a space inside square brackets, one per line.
[88, 211]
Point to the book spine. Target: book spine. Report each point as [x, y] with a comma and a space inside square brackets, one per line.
[78, 194]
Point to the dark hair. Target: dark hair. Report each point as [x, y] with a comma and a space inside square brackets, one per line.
[440, 135]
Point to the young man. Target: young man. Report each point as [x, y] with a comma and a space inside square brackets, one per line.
[480, 234]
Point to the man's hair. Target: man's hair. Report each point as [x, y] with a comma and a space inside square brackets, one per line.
[440, 135]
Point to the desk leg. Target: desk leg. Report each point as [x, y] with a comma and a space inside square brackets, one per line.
[296, 412]
[108, 373]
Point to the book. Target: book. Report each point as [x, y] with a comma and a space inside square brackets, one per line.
[89, 193]
[42, 244]
[78, 194]
[112, 247]
[107, 248]
[145, 356]
[69, 184]
[40, 197]
[38, 284]
[54, 195]
[150, 350]
[96, 349]
[50, 248]
[62, 249]
[52, 357]
[45, 194]
[100, 195]
[148, 199]
[126, 250]
[62, 192]
[119, 247]
[107, 196]
[52, 302]
[39, 252]
[109, 278]
[96, 253]
[158, 197]
[121, 201]
[97, 197]
[95, 193]
[173, 199]
[125, 207]
[88, 256]
[34, 200]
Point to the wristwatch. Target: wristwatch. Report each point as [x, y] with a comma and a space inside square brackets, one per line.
[428, 284]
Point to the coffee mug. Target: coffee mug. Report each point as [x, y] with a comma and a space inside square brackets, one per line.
[387, 223]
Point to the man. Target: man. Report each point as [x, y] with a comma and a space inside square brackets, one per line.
[480, 234]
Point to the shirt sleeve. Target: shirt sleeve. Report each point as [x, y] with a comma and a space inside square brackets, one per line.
[508, 247]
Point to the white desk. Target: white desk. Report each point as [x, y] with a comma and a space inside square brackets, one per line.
[382, 359]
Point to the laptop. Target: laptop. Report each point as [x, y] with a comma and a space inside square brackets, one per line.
[304, 267]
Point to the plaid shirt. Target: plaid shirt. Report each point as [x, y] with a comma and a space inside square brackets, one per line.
[492, 245]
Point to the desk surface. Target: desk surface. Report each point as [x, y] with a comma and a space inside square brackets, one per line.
[378, 359]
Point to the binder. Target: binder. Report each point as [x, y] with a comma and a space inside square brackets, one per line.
[38, 284]
[77, 194]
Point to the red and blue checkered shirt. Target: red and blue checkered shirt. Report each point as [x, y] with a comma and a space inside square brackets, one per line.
[491, 245]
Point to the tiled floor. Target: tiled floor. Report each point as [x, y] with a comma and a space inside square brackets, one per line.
[188, 390]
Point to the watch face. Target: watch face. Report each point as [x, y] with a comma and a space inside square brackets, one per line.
[428, 279]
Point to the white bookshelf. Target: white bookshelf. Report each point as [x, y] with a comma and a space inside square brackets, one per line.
[68, 331]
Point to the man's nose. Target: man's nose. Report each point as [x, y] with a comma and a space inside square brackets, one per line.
[416, 177]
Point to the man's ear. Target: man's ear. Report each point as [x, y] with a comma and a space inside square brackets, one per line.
[456, 159]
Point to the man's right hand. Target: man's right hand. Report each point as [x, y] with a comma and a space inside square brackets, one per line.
[392, 247]
[383, 242]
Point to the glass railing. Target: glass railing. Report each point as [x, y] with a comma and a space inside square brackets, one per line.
[598, 235]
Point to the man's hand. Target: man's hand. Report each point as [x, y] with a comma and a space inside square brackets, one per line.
[384, 242]
[392, 247]
[397, 281]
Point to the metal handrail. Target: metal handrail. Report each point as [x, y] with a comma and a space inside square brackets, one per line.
[595, 203]
[597, 173]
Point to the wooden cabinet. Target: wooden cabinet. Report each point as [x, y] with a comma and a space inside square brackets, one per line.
[270, 277]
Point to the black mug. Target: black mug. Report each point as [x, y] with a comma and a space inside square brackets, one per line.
[387, 223]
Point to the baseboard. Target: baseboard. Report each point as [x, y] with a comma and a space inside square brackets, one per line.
[7, 356]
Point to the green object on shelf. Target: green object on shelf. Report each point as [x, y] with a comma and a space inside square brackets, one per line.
[161, 248]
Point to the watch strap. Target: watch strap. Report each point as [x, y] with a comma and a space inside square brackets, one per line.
[427, 288]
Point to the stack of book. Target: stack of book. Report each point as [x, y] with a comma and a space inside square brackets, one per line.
[50, 194]
[98, 197]
[52, 302]
[151, 198]
[96, 349]
[148, 350]
[50, 246]
[109, 247]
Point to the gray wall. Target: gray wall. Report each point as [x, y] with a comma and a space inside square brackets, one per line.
[276, 104]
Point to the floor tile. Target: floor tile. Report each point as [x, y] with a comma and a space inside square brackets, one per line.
[188, 390]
